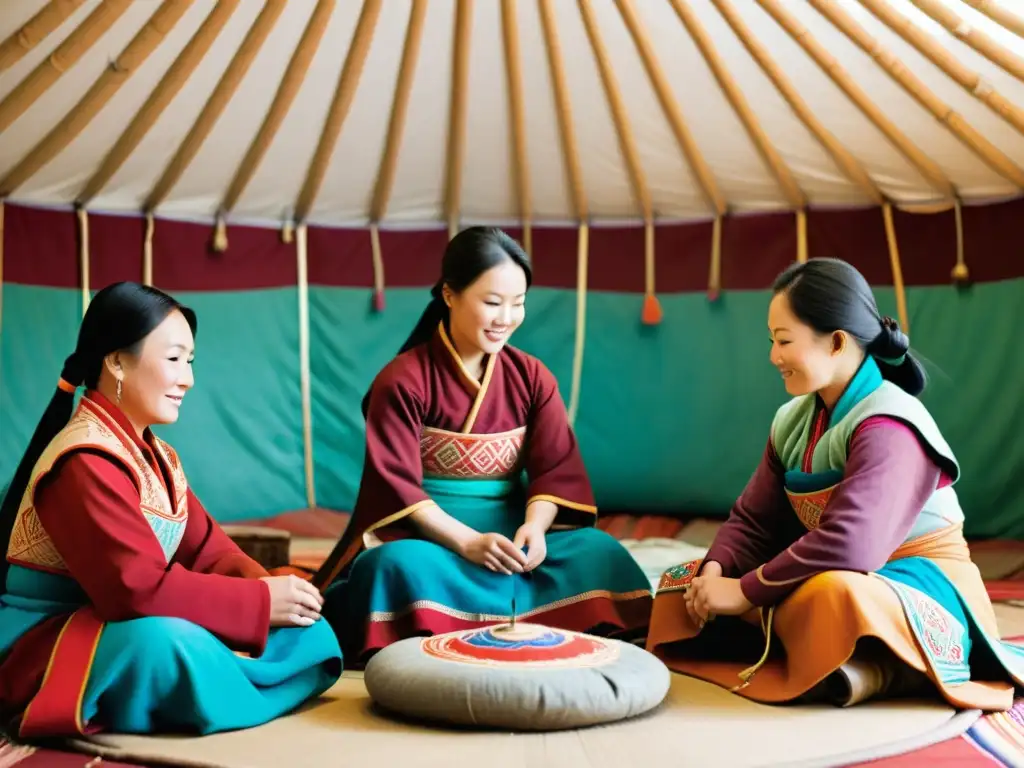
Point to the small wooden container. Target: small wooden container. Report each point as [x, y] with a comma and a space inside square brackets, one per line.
[267, 546]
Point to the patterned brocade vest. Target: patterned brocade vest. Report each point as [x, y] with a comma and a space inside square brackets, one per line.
[810, 481]
[92, 428]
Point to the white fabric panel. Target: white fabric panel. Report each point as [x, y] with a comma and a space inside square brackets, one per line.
[931, 136]
[131, 185]
[50, 108]
[810, 163]
[352, 171]
[202, 187]
[487, 194]
[64, 177]
[15, 14]
[605, 176]
[739, 171]
[418, 190]
[675, 190]
[893, 174]
[549, 181]
[488, 183]
[965, 167]
[278, 179]
[984, 119]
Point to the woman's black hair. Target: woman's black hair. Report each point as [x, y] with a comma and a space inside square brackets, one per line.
[119, 319]
[469, 254]
[830, 295]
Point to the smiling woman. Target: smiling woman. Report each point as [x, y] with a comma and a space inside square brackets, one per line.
[124, 603]
[847, 544]
[471, 462]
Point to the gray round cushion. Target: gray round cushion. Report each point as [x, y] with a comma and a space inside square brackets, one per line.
[521, 677]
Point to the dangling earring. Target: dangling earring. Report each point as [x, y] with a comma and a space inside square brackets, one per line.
[119, 390]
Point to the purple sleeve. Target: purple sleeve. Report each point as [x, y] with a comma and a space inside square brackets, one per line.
[753, 532]
[888, 478]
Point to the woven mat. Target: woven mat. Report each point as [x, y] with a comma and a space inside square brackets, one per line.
[699, 724]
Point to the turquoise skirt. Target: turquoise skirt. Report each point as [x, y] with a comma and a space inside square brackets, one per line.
[160, 674]
[588, 582]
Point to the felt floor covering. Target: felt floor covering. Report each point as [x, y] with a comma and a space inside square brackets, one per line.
[697, 725]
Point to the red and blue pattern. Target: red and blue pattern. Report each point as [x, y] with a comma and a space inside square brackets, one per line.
[521, 645]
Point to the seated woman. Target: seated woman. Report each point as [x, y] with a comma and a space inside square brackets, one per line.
[126, 608]
[846, 548]
[452, 424]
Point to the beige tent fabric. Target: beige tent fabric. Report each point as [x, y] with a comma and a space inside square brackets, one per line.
[450, 112]
[698, 725]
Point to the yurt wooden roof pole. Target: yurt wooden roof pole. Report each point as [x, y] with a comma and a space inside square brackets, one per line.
[457, 114]
[801, 235]
[222, 93]
[287, 90]
[783, 176]
[999, 14]
[514, 73]
[669, 105]
[915, 87]
[162, 95]
[570, 153]
[147, 250]
[389, 157]
[687, 144]
[790, 189]
[399, 107]
[897, 270]
[88, 33]
[35, 30]
[83, 256]
[302, 259]
[988, 47]
[348, 83]
[651, 313]
[960, 273]
[928, 169]
[1, 266]
[842, 157]
[106, 86]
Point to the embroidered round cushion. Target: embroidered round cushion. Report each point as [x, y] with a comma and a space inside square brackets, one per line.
[526, 677]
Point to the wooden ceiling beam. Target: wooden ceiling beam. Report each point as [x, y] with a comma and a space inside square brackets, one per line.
[35, 30]
[348, 83]
[161, 97]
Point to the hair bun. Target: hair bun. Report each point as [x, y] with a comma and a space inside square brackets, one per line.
[891, 343]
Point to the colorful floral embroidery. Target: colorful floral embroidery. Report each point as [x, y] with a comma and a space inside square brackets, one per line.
[678, 576]
[31, 545]
[943, 639]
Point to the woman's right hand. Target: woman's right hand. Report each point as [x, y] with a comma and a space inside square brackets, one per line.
[294, 602]
[712, 568]
[495, 552]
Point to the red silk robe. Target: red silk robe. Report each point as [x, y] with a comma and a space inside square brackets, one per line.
[89, 506]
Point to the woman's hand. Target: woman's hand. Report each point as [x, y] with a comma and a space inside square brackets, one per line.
[494, 552]
[294, 602]
[711, 568]
[531, 536]
[717, 595]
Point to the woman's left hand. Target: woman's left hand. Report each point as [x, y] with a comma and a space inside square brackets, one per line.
[717, 595]
[531, 536]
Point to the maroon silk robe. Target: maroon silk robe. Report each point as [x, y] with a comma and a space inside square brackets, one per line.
[429, 387]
